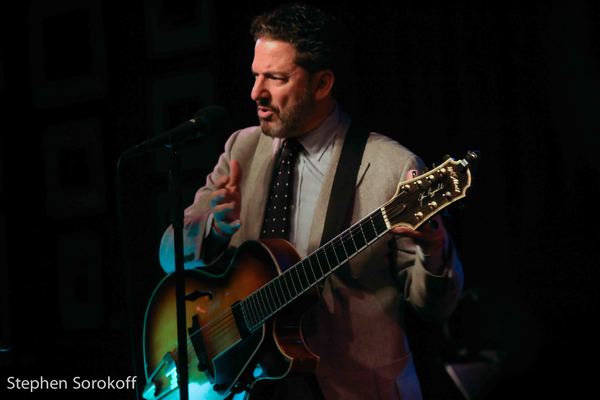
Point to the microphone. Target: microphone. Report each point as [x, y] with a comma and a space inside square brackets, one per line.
[205, 120]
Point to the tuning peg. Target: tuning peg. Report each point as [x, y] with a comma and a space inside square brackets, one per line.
[471, 159]
[472, 156]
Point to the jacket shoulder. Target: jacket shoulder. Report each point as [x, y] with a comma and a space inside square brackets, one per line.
[243, 138]
[384, 152]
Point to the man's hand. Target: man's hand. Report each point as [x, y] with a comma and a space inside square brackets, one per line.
[225, 202]
[432, 237]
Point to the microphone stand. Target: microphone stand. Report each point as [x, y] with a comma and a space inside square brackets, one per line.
[208, 119]
[175, 190]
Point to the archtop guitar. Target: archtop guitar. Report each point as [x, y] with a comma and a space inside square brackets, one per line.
[244, 323]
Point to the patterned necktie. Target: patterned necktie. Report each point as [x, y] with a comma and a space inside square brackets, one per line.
[277, 215]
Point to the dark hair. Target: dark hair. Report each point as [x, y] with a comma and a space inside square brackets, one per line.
[321, 40]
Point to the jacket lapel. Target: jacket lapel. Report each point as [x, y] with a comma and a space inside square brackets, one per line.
[254, 199]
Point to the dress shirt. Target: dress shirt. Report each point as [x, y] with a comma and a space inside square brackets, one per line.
[310, 170]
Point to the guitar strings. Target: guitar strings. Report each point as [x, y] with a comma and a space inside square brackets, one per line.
[218, 327]
[222, 323]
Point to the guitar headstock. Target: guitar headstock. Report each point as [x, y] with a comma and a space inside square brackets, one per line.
[418, 199]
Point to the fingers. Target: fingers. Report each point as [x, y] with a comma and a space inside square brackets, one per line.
[233, 179]
[219, 196]
[225, 201]
[430, 229]
[227, 228]
[223, 212]
[221, 181]
[429, 235]
[225, 204]
[235, 173]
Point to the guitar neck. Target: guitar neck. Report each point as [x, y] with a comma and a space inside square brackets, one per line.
[416, 200]
[302, 276]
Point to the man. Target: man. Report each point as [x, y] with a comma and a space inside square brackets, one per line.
[360, 334]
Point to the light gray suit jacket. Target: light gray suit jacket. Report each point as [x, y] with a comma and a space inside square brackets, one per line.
[361, 337]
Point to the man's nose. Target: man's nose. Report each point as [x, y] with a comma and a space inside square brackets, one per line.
[259, 92]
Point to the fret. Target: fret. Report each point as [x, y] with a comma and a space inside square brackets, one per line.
[291, 283]
[371, 218]
[379, 222]
[312, 270]
[297, 280]
[349, 244]
[269, 289]
[278, 291]
[334, 247]
[260, 308]
[270, 299]
[251, 320]
[327, 266]
[346, 252]
[245, 313]
[339, 252]
[353, 242]
[302, 277]
[251, 300]
[359, 239]
[329, 256]
[322, 259]
[308, 280]
[265, 304]
[369, 230]
[286, 279]
[252, 310]
[260, 311]
[280, 294]
[315, 260]
[362, 231]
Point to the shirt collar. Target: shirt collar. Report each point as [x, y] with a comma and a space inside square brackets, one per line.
[318, 140]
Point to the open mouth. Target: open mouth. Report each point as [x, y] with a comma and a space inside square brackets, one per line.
[264, 113]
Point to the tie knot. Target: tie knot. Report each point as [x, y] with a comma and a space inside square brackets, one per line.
[291, 146]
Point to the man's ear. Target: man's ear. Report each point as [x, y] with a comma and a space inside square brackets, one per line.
[323, 83]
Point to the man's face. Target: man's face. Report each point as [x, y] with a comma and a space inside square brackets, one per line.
[282, 90]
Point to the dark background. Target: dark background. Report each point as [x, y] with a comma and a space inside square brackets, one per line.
[80, 82]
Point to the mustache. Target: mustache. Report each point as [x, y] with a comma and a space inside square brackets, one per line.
[265, 104]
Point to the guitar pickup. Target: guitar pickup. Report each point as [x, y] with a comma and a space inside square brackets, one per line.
[196, 339]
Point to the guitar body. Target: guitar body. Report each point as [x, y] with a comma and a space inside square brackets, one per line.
[223, 358]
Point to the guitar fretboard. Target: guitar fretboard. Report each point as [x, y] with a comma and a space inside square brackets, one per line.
[265, 302]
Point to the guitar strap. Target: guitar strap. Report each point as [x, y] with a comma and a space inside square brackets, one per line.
[341, 201]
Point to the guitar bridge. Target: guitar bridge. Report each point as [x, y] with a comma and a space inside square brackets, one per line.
[198, 343]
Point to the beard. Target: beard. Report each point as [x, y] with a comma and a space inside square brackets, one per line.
[288, 123]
